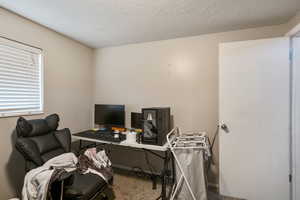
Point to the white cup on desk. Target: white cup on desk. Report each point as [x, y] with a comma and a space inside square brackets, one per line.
[131, 137]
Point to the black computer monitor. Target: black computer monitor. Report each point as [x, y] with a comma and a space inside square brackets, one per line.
[110, 115]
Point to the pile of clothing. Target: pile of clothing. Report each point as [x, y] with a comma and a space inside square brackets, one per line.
[37, 181]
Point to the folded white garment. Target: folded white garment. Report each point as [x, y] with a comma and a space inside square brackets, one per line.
[37, 180]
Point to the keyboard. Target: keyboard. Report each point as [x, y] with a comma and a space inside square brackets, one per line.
[102, 135]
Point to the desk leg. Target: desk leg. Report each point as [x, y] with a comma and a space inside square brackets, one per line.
[164, 177]
[80, 145]
[173, 175]
[173, 170]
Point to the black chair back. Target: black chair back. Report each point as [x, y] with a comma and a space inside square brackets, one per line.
[39, 140]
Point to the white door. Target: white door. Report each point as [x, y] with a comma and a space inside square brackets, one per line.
[296, 118]
[254, 102]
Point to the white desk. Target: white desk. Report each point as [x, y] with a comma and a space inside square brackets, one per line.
[145, 147]
[125, 144]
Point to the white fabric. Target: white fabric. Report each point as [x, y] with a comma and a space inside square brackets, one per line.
[192, 164]
[99, 159]
[37, 180]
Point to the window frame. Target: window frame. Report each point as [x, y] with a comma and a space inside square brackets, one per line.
[40, 52]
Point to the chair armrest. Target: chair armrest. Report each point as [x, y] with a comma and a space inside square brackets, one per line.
[62, 180]
[66, 176]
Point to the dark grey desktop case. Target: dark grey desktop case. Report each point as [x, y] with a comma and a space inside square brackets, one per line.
[156, 125]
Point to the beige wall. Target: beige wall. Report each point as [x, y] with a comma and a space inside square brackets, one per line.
[67, 89]
[180, 73]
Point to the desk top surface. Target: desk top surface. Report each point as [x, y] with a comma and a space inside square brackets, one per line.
[124, 143]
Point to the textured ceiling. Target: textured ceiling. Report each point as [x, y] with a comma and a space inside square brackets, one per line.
[100, 23]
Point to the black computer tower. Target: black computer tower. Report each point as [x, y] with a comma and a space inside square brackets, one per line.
[156, 125]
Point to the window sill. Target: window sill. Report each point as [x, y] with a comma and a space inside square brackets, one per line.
[9, 115]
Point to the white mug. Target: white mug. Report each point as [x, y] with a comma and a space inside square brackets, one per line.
[131, 137]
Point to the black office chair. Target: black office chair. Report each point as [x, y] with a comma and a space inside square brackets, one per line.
[39, 140]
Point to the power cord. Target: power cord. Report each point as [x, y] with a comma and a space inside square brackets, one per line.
[139, 172]
[152, 170]
[210, 159]
[213, 143]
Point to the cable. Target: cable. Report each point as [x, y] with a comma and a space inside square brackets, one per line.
[152, 170]
[215, 136]
[210, 159]
[139, 172]
[150, 167]
[213, 143]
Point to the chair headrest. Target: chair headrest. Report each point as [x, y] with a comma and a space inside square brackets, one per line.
[36, 127]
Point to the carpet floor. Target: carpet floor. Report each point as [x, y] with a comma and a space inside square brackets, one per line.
[133, 188]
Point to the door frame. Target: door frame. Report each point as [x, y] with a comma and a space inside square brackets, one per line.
[295, 80]
[292, 34]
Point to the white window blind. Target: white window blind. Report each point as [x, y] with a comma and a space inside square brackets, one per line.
[21, 79]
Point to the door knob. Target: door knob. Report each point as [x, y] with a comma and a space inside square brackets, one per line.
[224, 127]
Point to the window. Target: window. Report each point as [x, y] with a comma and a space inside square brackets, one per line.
[21, 79]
